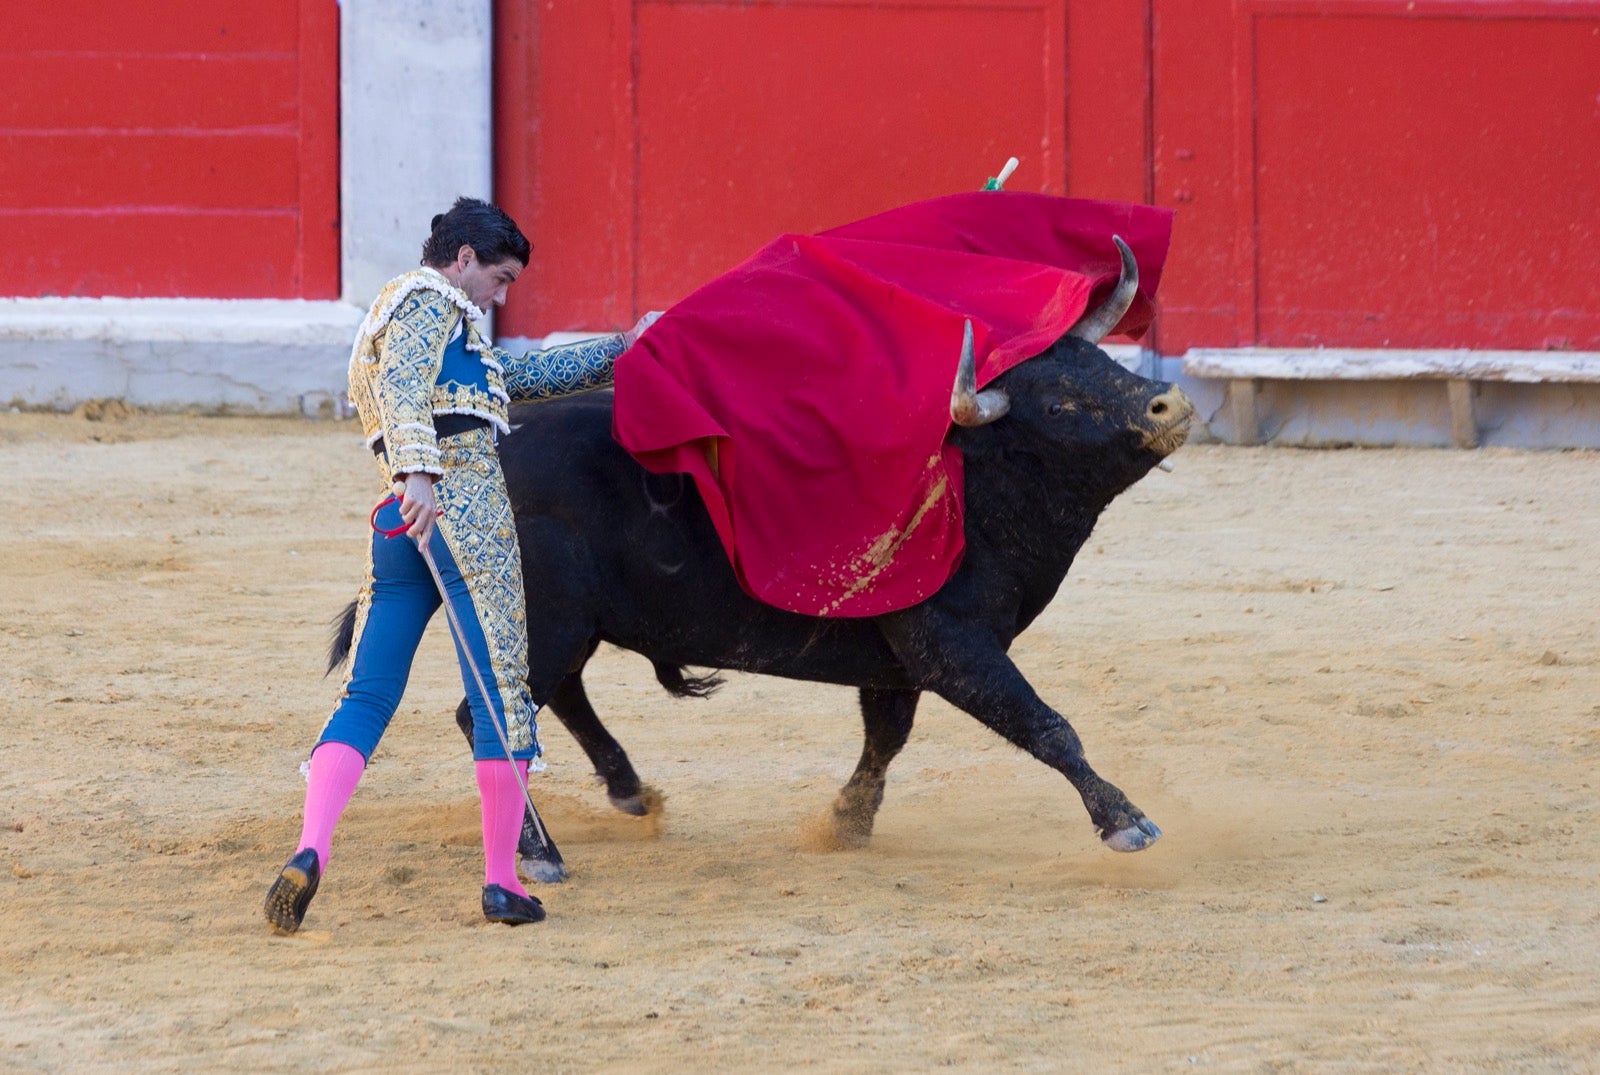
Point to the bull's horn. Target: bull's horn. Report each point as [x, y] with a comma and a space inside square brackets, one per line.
[1095, 326]
[968, 406]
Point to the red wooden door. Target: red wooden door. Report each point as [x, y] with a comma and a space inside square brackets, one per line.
[647, 145]
[169, 148]
[1380, 173]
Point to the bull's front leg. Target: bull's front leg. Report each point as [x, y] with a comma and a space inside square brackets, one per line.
[965, 664]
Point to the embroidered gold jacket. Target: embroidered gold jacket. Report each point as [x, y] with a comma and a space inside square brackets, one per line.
[398, 353]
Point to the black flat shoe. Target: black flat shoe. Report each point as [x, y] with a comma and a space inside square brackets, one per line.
[503, 905]
[291, 893]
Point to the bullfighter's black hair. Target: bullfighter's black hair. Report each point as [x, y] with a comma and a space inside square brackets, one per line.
[491, 233]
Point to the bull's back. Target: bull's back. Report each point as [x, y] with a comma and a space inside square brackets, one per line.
[655, 573]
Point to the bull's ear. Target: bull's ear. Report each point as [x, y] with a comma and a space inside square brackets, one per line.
[968, 406]
[1097, 325]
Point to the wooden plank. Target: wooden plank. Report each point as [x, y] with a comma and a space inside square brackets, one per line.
[1339, 364]
[317, 249]
[515, 107]
[1246, 245]
[1457, 195]
[1242, 408]
[168, 148]
[108, 170]
[65, 91]
[212, 255]
[1108, 99]
[150, 26]
[575, 152]
[1463, 420]
[1193, 162]
[790, 117]
[1439, 9]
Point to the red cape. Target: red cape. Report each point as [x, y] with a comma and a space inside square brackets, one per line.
[807, 390]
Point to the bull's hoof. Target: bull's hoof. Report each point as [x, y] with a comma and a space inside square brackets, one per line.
[649, 802]
[852, 829]
[830, 831]
[543, 870]
[632, 804]
[851, 834]
[1136, 837]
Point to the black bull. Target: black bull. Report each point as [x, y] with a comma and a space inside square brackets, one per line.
[613, 553]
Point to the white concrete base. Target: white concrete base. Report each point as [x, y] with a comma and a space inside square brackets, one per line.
[256, 355]
[290, 357]
[1395, 413]
[1392, 364]
[1129, 355]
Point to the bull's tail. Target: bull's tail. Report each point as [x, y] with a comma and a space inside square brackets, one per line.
[679, 685]
[342, 637]
[669, 676]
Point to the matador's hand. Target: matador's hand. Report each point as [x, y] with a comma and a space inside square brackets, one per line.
[418, 506]
[636, 331]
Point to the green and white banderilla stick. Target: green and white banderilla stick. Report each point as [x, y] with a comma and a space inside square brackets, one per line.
[998, 182]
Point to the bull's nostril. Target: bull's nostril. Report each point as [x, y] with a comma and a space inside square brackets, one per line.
[1158, 408]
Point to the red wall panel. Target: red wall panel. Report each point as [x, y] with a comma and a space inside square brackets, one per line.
[1108, 99]
[564, 159]
[647, 145]
[1194, 163]
[187, 251]
[89, 170]
[170, 149]
[1427, 181]
[763, 118]
[1346, 172]
[1379, 173]
[173, 91]
[152, 27]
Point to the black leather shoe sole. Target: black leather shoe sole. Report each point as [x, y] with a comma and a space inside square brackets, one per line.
[503, 905]
[291, 893]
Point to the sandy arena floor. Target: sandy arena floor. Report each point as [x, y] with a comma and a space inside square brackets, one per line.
[1359, 690]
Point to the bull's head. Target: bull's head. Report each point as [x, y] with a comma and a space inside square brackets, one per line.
[1074, 397]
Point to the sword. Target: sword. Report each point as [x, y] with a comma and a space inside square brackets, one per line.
[551, 854]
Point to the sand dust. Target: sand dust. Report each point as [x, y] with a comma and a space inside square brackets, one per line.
[1359, 690]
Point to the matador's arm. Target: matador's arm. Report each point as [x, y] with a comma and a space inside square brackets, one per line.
[559, 371]
[409, 361]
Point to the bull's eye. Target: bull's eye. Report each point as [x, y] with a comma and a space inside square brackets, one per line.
[1054, 410]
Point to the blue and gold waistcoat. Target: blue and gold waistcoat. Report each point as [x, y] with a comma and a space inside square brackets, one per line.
[401, 375]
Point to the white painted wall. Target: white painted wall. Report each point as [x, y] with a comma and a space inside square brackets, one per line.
[415, 127]
[415, 132]
[263, 355]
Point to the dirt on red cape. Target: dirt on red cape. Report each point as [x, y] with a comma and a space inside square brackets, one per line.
[807, 390]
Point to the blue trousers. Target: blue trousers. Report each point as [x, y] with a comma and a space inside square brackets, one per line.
[400, 597]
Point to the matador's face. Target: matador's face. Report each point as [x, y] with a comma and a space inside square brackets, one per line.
[484, 283]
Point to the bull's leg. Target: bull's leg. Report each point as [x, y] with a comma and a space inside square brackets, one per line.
[541, 859]
[570, 703]
[557, 585]
[557, 648]
[887, 717]
[964, 663]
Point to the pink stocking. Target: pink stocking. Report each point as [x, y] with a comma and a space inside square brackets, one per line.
[335, 771]
[503, 808]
